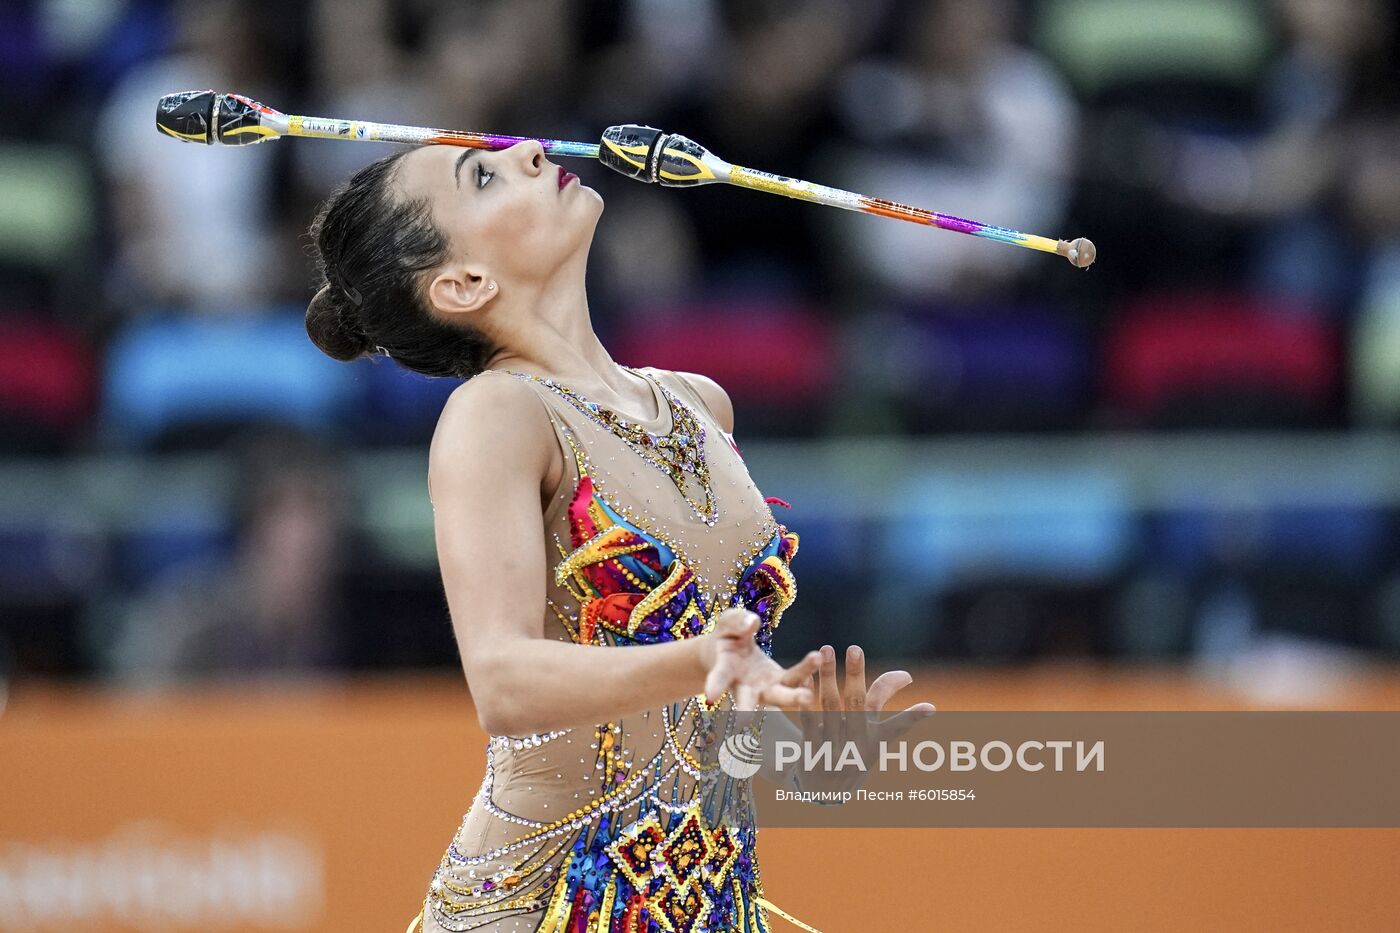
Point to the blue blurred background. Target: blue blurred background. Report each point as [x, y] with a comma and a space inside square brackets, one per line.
[1186, 454]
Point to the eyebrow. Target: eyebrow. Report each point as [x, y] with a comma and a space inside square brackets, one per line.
[457, 169]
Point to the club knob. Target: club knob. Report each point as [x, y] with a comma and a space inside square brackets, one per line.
[1081, 253]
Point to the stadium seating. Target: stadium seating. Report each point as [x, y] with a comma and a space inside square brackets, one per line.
[393, 405]
[47, 385]
[775, 358]
[1219, 360]
[48, 199]
[187, 381]
[1158, 56]
[1022, 521]
[987, 368]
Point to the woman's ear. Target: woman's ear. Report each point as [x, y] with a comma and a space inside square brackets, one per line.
[461, 291]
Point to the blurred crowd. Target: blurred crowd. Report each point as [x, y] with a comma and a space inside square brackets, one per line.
[1236, 161]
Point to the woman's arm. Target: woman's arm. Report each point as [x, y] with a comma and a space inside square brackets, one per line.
[490, 456]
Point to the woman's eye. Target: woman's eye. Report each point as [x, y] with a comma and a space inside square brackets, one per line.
[483, 176]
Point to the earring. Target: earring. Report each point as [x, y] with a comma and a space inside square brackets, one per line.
[491, 286]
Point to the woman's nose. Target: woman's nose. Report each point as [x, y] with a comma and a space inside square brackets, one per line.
[531, 155]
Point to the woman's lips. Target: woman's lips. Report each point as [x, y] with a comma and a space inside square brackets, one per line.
[565, 177]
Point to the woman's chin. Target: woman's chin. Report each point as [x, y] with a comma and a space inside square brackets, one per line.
[597, 201]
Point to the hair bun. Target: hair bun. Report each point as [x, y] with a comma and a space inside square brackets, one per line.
[333, 325]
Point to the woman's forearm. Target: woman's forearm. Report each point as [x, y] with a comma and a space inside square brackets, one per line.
[538, 684]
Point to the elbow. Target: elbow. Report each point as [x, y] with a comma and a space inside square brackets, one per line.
[494, 716]
[492, 722]
[494, 719]
[504, 719]
[498, 717]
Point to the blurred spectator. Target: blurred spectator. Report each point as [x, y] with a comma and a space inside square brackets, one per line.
[486, 66]
[1170, 93]
[358, 70]
[963, 120]
[194, 224]
[655, 55]
[763, 100]
[1318, 96]
[1373, 198]
[274, 605]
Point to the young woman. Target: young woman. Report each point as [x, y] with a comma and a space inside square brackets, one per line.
[581, 507]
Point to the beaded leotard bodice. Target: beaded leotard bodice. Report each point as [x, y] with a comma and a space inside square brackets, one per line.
[655, 528]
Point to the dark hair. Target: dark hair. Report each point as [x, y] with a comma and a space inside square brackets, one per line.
[372, 248]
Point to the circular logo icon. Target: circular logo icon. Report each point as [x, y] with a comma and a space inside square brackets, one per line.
[740, 755]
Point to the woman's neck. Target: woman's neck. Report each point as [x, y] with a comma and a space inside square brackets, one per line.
[551, 334]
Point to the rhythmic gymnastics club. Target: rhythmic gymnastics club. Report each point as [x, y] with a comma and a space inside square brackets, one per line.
[641, 152]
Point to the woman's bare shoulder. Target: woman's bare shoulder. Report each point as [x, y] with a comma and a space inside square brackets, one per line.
[712, 394]
[494, 423]
[488, 400]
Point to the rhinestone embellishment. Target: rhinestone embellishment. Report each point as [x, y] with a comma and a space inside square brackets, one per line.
[678, 453]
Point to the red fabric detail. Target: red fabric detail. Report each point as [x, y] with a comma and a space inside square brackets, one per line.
[618, 607]
[631, 918]
[774, 500]
[578, 914]
[580, 524]
[615, 608]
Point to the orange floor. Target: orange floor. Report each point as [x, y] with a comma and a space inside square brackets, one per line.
[371, 779]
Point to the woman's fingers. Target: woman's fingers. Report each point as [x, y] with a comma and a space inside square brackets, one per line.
[785, 697]
[855, 679]
[885, 686]
[831, 696]
[734, 629]
[754, 677]
[903, 721]
[736, 622]
[803, 670]
[719, 678]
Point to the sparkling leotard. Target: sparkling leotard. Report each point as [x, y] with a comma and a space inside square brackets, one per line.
[604, 830]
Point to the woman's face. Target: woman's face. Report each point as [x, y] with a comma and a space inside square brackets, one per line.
[505, 212]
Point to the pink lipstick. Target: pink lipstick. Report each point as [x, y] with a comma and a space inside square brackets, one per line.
[565, 177]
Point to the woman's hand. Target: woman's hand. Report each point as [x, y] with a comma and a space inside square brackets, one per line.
[824, 718]
[735, 662]
[857, 698]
